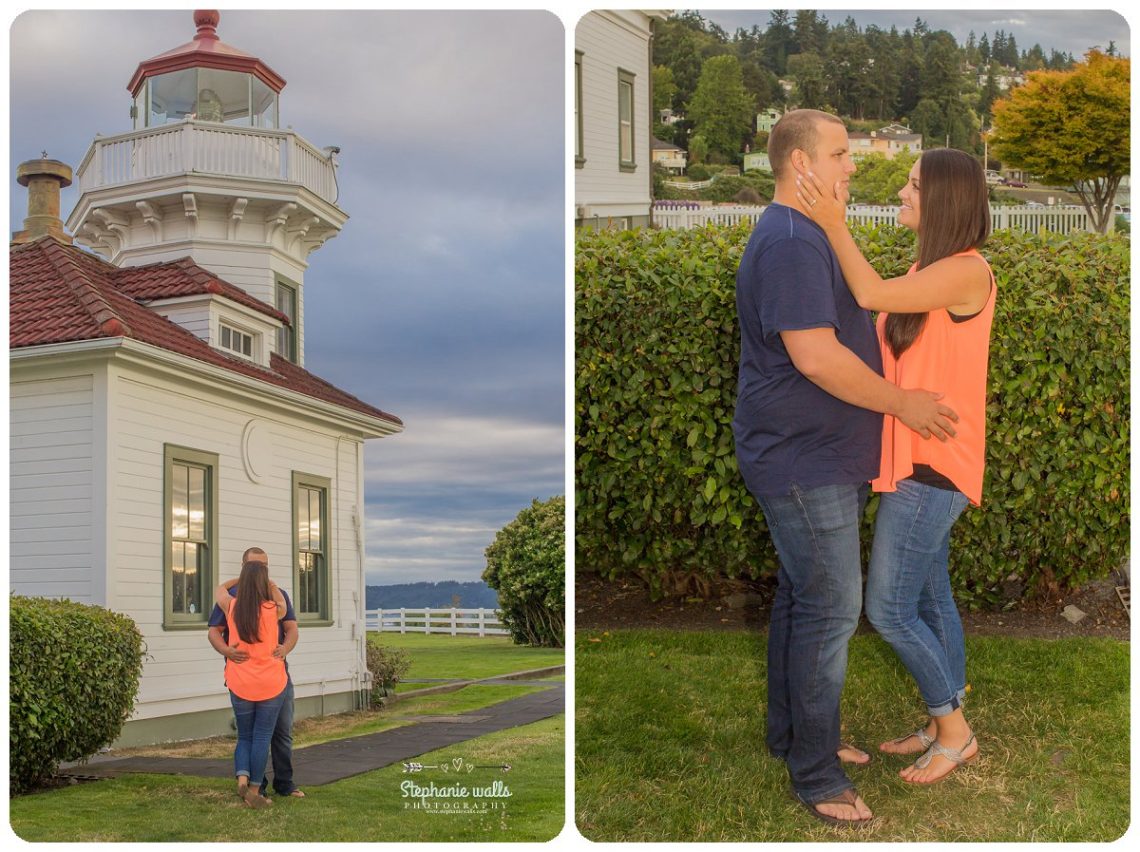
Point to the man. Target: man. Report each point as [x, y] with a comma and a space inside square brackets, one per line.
[808, 428]
[281, 746]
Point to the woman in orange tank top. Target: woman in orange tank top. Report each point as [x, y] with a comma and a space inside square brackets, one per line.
[934, 329]
[257, 684]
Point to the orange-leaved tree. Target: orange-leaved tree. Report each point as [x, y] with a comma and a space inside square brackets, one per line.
[1071, 127]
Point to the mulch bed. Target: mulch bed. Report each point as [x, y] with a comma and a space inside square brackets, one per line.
[744, 605]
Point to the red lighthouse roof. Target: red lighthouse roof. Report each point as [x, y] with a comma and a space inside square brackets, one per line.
[205, 51]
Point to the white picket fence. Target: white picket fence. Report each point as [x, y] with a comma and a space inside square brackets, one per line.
[456, 622]
[1058, 218]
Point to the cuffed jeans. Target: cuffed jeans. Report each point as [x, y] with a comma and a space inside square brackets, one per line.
[909, 600]
[255, 723]
[815, 613]
[281, 747]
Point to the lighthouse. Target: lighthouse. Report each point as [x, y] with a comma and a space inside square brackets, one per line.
[207, 172]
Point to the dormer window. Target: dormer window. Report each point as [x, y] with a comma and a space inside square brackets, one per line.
[235, 341]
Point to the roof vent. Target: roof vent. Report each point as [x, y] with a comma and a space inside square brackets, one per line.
[44, 179]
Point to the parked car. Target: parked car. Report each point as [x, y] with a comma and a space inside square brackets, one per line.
[992, 177]
[1012, 182]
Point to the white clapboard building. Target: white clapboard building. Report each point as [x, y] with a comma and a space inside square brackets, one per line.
[162, 419]
[613, 118]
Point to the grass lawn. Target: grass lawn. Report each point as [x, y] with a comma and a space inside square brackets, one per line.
[435, 655]
[670, 742]
[368, 807]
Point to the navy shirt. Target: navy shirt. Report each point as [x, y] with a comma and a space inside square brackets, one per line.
[789, 430]
[218, 619]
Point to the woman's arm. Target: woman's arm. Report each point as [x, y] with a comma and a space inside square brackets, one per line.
[278, 599]
[953, 282]
[222, 595]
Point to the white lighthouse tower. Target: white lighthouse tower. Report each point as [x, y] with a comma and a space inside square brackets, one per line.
[208, 173]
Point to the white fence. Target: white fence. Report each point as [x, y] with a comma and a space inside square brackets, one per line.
[207, 148]
[457, 622]
[1060, 218]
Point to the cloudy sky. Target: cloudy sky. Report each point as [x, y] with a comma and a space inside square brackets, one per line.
[442, 300]
[1073, 31]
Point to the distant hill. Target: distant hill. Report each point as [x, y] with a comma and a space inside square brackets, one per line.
[424, 595]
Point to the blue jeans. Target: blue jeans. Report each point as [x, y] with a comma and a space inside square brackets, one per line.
[909, 600]
[814, 614]
[255, 723]
[281, 748]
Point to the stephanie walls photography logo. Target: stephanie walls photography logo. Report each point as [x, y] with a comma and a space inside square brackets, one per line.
[462, 793]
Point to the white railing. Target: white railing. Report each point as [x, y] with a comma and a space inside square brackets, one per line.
[457, 622]
[207, 148]
[1061, 218]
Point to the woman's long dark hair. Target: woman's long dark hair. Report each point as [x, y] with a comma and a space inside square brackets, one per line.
[252, 592]
[954, 216]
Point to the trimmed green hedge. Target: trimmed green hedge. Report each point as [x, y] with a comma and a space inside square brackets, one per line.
[658, 491]
[73, 678]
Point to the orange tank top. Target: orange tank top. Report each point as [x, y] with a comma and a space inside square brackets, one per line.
[951, 358]
[262, 676]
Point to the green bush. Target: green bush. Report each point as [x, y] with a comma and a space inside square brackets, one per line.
[658, 491]
[387, 666]
[526, 565]
[73, 676]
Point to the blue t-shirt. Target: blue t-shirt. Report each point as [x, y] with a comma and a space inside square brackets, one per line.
[789, 430]
[218, 619]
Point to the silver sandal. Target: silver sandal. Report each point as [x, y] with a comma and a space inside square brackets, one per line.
[954, 755]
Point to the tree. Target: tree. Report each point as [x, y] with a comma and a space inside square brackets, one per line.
[811, 82]
[778, 42]
[664, 88]
[721, 110]
[1071, 127]
[878, 180]
[526, 565]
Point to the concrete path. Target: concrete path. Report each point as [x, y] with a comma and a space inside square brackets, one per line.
[327, 762]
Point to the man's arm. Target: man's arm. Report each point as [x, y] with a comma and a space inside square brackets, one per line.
[818, 354]
[290, 641]
[219, 645]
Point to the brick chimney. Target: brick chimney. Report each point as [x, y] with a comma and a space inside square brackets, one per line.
[44, 179]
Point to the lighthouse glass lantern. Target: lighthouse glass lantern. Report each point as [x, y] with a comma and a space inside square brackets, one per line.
[206, 94]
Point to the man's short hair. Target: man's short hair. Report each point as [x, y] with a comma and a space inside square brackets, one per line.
[796, 129]
[254, 551]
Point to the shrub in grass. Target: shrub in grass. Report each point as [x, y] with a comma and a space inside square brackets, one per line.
[526, 565]
[387, 666]
[73, 676]
[658, 491]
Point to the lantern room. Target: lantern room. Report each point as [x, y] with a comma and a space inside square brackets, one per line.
[206, 80]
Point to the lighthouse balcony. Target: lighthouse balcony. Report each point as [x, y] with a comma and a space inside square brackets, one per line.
[208, 148]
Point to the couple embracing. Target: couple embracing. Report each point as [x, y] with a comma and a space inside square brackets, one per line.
[816, 421]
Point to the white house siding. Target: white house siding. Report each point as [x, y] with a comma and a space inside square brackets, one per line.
[608, 41]
[183, 673]
[51, 487]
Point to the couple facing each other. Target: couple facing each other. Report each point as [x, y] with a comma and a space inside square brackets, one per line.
[254, 627]
[811, 433]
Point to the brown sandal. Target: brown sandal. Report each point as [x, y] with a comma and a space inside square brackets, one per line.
[253, 799]
[847, 797]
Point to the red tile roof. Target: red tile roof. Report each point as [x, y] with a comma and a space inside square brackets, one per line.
[59, 294]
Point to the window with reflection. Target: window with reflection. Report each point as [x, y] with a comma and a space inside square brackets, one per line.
[190, 526]
[311, 547]
[626, 159]
[286, 300]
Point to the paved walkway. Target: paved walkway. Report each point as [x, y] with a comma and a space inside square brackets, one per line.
[332, 761]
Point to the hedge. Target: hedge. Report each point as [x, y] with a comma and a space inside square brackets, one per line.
[659, 495]
[73, 678]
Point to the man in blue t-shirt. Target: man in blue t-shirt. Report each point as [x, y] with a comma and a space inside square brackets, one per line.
[281, 746]
[808, 428]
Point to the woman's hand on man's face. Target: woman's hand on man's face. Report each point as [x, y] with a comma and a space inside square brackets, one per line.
[827, 207]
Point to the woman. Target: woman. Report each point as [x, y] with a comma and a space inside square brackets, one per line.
[257, 684]
[934, 328]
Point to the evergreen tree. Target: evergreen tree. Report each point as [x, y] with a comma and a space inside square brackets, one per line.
[778, 42]
[807, 69]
